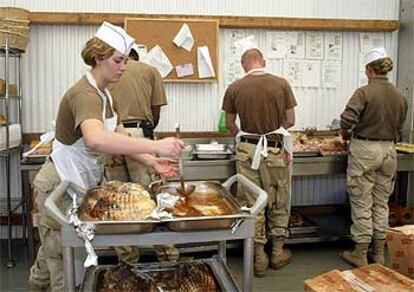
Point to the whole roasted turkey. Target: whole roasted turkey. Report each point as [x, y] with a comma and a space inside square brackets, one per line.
[117, 201]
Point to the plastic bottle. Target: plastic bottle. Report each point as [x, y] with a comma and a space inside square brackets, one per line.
[222, 123]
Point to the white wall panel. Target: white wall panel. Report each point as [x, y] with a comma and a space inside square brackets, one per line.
[350, 9]
[52, 64]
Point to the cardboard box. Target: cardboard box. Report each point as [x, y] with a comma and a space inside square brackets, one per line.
[328, 282]
[364, 279]
[400, 242]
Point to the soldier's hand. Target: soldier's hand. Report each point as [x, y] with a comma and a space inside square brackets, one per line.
[169, 147]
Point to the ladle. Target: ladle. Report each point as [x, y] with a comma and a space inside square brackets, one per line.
[182, 189]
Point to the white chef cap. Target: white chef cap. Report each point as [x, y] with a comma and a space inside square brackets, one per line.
[116, 37]
[246, 44]
[375, 54]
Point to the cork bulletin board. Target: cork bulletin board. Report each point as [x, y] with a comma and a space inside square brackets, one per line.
[152, 32]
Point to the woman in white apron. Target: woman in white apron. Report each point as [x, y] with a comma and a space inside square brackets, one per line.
[87, 127]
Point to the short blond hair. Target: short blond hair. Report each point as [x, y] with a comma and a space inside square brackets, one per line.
[252, 54]
[96, 49]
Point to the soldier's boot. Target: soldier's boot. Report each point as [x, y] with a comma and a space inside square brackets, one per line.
[261, 261]
[357, 257]
[166, 253]
[377, 252]
[280, 256]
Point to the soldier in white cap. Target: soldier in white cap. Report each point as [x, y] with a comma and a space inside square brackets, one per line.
[87, 127]
[265, 106]
[374, 116]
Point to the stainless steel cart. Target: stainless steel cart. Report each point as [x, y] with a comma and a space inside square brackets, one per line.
[244, 231]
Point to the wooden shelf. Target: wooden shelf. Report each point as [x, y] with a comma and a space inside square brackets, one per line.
[54, 18]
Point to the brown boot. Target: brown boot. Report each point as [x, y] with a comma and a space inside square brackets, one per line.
[261, 261]
[377, 252]
[280, 256]
[357, 257]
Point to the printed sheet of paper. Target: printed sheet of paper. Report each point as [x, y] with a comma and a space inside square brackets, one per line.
[232, 37]
[184, 38]
[370, 40]
[293, 72]
[333, 46]
[331, 74]
[234, 71]
[245, 44]
[141, 50]
[311, 73]
[314, 45]
[296, 45]
[276, 45]
[233, 68]
[205, 65]
[158, 59]
[184, 70]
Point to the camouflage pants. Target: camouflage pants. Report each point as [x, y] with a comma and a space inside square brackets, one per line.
[139, 173]
[273, 176]
[47, 270]
[370, 181]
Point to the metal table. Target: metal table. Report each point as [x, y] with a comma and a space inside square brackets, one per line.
[245, 231]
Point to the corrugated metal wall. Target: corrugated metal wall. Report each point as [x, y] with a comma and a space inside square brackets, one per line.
[52, 63]
[351, 9]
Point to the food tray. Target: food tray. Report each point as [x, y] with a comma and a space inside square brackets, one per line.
[213, 155]
[334, 152]
[221, 274]
[181, 223]
[211, 147]
[206, 222]
[305, 153]
[101, 227]
[308, 226]
[404, 147]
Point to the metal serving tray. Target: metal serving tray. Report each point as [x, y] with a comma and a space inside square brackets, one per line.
[212, 222]
[101, 227]
[305, 153]
[221, 273]
[176, 224]
[213, 155]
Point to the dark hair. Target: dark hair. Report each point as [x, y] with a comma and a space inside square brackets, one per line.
[133, 54]
[96, 49]
[381, 66]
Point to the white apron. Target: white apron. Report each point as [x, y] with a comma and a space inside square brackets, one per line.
[76, 163]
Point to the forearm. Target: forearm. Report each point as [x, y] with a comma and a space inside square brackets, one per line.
[146, 159]
[289, 118]
[97, 138]
[156, 115]
[231, 123]
[233, 128]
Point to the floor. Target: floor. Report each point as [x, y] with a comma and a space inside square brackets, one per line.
[309, 261]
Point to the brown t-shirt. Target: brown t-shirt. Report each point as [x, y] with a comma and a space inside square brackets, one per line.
[260, 102]
[376, 110]
[81, 102]
[139, 88]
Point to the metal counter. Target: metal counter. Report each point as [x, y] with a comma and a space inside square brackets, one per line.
[223, 169]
